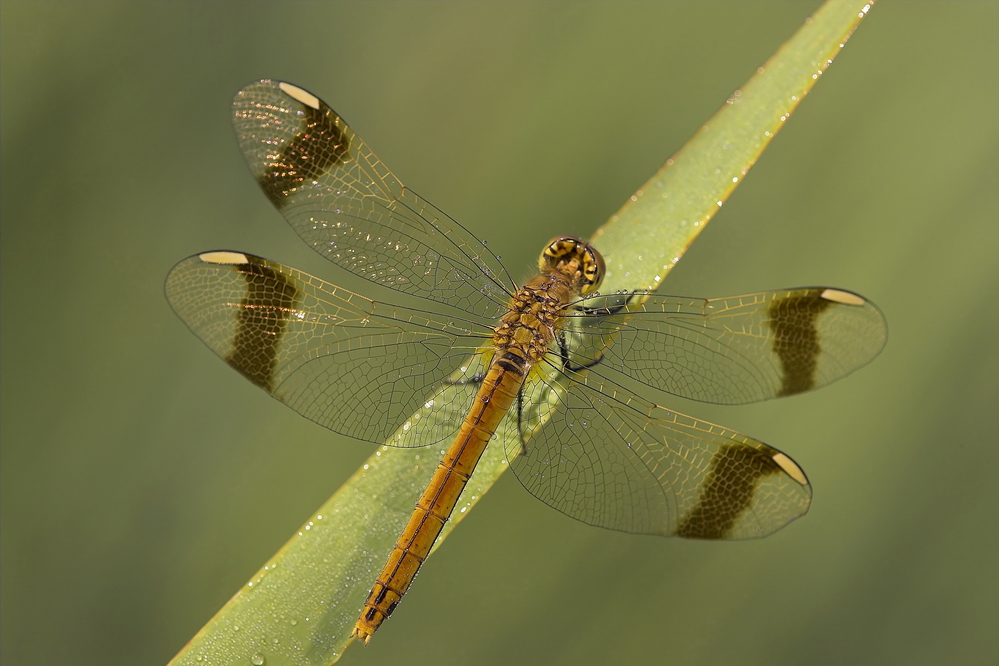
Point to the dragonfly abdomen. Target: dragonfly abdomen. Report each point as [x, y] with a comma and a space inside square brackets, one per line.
[494, 398]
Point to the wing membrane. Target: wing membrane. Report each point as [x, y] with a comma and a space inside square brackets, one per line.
[356, 366]
[609, 458]
[345, 203]
[729, 350]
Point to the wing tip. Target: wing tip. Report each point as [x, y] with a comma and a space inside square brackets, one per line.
[224, 258]
[790, 467]
[300, 94]
[842, 297]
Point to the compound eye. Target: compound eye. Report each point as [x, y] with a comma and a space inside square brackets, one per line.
[593, 270]
[557, 250]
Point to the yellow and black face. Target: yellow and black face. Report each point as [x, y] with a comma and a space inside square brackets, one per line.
[576, 258]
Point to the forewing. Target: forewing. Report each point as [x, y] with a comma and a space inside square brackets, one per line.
[728, 350]
[608, 458]
[357, 366]
[340, 198]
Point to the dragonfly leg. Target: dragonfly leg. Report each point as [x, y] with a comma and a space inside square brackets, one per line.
[567, 364]
[521, 431]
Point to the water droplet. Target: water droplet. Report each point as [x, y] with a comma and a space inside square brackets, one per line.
[257, 659]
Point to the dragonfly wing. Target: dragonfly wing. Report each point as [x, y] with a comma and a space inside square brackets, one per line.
[728, 350]
[357, 366]
[608, 458]
[345, 203]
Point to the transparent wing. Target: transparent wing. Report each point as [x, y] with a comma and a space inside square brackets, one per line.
[340, 198]
[356, 366]
[727, 350]
[606, 457]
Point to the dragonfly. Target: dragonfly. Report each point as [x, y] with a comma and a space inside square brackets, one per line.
[557, 371]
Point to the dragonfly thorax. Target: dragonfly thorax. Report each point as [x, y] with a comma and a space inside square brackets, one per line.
[527, 329]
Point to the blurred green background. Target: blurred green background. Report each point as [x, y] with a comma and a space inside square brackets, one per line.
[143, 482]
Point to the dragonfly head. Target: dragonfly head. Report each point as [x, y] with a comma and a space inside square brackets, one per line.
[576, 259]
